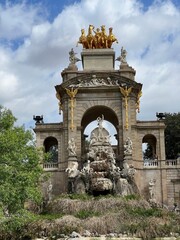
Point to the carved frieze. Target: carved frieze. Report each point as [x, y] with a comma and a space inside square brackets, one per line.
[95, 82]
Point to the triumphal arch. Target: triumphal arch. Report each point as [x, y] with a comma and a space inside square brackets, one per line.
[91, 163]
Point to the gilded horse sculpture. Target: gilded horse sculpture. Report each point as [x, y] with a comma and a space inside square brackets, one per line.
[90, 37]
[103, 37]
[97, 37]
[111, 38]
[83, 39]
[99, 40]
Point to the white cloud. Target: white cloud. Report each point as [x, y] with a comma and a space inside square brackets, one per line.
[16, 20]
[30, 71]
[8, 85]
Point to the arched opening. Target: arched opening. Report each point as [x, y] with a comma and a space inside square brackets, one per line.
[51, 147]
[149, 147]
[99, 148]
[107, 125]
[89, 122]
[93, 113]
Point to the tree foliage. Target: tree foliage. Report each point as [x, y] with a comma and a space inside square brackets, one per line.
[172, 135]
[148, 152]
[20, 169]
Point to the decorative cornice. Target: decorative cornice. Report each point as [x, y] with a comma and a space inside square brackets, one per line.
[58, 96]
[138, 101]
[99, 79]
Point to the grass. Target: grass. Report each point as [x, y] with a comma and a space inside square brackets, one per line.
[48, 216]
[103, 215]
[151, 212]
[83, 214]
[83, 197]
[132, 197]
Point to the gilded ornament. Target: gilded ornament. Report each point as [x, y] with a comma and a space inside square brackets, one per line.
[72, 94]
[125, 92]
[96, 39]
[138, 101]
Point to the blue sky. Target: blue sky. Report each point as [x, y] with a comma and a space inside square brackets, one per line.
[36, 36]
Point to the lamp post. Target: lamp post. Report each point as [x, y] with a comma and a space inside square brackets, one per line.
[160, 116]
[38, 119]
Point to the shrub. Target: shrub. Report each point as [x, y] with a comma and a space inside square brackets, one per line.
[13, 227]
[83, 214]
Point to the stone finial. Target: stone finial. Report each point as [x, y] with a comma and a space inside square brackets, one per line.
[100, 121]
[72, 58]
[122, 57]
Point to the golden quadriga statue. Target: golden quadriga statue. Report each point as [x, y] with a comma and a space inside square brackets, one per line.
[97, 38]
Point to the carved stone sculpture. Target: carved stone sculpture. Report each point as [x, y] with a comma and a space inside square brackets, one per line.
[72, 57]
[72, 169]
[122, 57]
[152, 189]
[71, 147]
[49, 191]
[100, 174]
[128, 146]
[95, 82]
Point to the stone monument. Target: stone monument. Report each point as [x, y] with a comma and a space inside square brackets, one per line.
[100, 92]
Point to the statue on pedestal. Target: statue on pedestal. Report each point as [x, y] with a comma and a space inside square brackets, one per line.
[152, 190]
[49, 191]
[73, 59]
[128, 146]
[71, 147]
[122, 57]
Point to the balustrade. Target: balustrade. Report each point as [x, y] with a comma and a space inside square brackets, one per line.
[150, 163]
[171, 162]
[156, 163]
[48, 166]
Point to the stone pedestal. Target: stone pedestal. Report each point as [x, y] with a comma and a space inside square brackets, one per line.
[98, 59]
[72, 158]
[128, 158]
[127, 71]
[72, 169]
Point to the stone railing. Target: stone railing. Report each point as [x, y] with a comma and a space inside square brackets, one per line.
[50, 166]
[162, 163]
[172, 162]
[151, 163]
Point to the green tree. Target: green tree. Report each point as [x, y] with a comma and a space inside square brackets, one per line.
[148, 152]
[172, 135]
[20, 169]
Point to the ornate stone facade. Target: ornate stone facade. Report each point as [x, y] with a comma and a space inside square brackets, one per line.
[100, 91]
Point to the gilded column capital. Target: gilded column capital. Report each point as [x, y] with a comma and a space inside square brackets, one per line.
[125, 92]
[72, 94]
